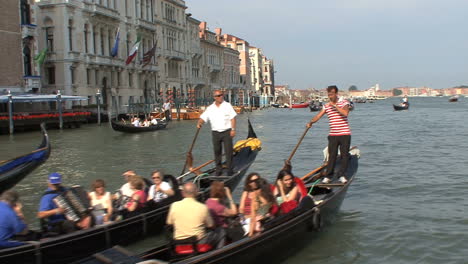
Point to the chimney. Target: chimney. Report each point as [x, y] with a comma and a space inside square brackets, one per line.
[202, 29]
[218, 31]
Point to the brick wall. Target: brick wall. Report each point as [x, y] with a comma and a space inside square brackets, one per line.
[11, 69]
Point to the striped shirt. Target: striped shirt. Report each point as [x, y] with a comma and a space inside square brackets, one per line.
[339, 125]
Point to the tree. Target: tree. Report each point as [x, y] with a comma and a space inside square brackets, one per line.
[352, 88]
[397, 92]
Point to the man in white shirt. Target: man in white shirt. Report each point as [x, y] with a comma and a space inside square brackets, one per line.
[223, 126]
[167, 110]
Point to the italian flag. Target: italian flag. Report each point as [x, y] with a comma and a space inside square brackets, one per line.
[134, 50]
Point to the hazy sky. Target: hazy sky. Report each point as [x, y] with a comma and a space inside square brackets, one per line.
[315, 43]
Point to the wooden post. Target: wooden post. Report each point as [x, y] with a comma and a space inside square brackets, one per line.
[98, 102]
[59, 105]
[10, 112]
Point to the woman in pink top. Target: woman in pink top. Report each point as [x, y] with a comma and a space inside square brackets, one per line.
[139, 196]
[219, 212]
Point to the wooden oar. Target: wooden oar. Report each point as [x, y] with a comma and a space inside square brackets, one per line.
[189, 158]
[208, 162]
[287, 163]
[314, 171]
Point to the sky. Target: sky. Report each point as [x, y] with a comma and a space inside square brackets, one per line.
[316, 43]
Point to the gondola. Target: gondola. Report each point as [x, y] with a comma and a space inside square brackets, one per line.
[14, 170]
[399, 107]
[315, 108]
[453, 99]
[71, 247]
[129, 128]
[281, 236]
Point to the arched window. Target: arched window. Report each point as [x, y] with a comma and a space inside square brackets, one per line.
[49, 33]
[27, 60]
[70, 34]
[86, 32]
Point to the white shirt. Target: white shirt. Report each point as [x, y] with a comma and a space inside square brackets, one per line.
[136, 123]
[167, 106]
[158, 196]
[154, 121]
[126, 190]
[219, 116]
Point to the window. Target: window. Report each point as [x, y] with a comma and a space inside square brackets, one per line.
[27, 61]
[110, 41]
[95, 41]
[72, 75]
[88, 76]
[102, 43]
[118, 78]
[130, 81]
[86, 37]
[25, 12]
[50, 38]
[51, 75]
[70, 34]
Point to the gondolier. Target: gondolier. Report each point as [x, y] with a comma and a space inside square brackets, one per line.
[223, 125]
[167, 110]
[340, 132]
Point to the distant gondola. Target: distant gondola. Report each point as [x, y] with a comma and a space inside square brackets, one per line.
[14, 170]
[129, 128]
[399, 107]
[453, 99]
[315, 108]
[301, 105]
[287, 232]
[80, 244]
[275, 105]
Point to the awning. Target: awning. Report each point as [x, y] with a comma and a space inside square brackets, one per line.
[27, 98]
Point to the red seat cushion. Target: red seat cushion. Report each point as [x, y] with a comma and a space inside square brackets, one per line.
[184, 249]
[204, 248]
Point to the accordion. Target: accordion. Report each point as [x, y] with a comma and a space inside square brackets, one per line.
[75, 202]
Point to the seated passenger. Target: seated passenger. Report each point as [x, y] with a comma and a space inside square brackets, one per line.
[126, 190]
[256, 202]
[160, 189]
[101, 202]
[146, 123]
[216, 203]
[286, 192]
[11, 220]
[139, 197]
[154, 121]
[136, 122]
[52, 215]
[190, 218]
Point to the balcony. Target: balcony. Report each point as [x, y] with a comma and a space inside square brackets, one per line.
[32, 83]
[99, 10]
[215, 67]
[74, 56]
[145, 24]
[28, 30]
[173, 55]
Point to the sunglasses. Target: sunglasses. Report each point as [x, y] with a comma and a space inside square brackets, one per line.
[156, 177]
[217, 95]
[253, 180]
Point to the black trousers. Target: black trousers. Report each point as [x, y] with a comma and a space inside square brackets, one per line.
[333, 142]
[226, 139]
[167, 114]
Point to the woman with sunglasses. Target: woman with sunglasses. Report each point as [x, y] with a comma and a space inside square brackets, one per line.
[256, 202]
[160, 189]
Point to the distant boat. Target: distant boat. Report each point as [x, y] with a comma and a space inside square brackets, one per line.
[275, 105]
[129, 128]
[453, 99]
[315, 108]
[302, 105]
[401, 107]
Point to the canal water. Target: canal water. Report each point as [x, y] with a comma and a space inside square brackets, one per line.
[407, 204]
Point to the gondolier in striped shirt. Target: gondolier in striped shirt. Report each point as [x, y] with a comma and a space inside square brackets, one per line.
[340, 133]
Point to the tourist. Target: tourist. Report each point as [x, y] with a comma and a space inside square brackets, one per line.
[160, 190]
[190, 218]
[219, 196]
[101, 202]
[139, 197]
[221, 115]
[340, 133]
[11, 220]
[286, 191]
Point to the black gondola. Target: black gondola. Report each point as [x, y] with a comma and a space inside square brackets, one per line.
[399, 107]
[453, 99]
[315, 108]
[71, 247]
[129, 128]
[14, 170]
[281, 236]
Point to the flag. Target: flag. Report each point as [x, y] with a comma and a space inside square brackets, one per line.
[40, 58]
[115, 49]
[148, 56]
[134, 50]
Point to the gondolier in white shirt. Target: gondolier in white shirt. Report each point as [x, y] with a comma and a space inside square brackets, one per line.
[222, 118]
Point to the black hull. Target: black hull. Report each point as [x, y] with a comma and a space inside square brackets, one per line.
[315, 108]
[129, 128]
[15, 170]
[399, 108]
[80, 244]
[279, 239]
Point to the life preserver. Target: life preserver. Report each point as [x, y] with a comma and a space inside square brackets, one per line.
[317, 221]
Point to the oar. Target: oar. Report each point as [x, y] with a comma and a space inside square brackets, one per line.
[189, 153]
[314, 171]
[209, 162]
[287, 163]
